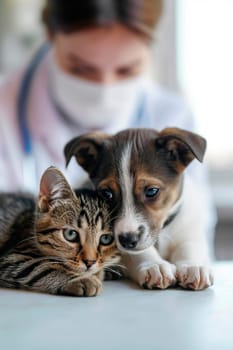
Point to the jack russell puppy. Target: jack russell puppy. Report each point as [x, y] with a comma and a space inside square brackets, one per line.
[160, 220]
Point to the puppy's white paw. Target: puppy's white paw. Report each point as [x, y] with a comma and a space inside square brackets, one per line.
[194, 277]
[157, 276]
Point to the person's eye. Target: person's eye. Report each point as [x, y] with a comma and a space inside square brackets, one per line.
[125, 72]
[71, 235]
[106, 194]
[106, 239]
[151, 192]
[77, 70]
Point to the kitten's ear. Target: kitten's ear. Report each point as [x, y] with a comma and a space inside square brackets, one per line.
[53, 186]
[87, 149]
[180, 147]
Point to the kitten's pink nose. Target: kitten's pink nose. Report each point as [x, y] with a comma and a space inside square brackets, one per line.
[89, 263]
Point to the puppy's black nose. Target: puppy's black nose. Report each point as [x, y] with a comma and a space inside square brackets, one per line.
[129, 240]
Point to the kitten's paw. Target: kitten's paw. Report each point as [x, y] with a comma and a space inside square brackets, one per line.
[194, 277]
[86, 287]
[157, 276]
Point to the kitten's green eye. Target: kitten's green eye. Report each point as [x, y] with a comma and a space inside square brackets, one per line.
[106, 239]
[71, 235]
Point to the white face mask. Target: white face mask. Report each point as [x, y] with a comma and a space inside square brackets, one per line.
[95, 105]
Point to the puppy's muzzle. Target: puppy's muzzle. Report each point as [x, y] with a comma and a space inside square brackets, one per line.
[129, 240]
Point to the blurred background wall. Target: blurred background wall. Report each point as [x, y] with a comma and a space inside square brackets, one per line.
[193, 55]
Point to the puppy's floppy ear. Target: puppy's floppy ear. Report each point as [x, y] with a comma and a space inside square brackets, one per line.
[53, 186]
[181, 147]
[87, 150]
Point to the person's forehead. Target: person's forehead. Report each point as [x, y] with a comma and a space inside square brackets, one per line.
[115, 45]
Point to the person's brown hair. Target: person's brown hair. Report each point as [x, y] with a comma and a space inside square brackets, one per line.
[71, 15]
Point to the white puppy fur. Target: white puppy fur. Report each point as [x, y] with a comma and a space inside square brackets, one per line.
[182, 251]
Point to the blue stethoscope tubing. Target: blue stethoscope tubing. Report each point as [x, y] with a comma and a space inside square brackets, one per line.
[23, 96]
[29, 165]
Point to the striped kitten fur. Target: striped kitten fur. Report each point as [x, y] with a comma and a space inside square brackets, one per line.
[61, 244]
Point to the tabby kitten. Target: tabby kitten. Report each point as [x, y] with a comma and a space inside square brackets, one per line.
[61, 244]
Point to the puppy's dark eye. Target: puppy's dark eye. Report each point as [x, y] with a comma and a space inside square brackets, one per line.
[106, 194]
[71, 235]
[151, 192]
[106, 239]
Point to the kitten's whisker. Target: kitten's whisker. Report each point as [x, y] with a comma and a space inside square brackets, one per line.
[110, 217]
[110, 212]
[54, 258]
[114, 271]
[121, 266]
[24, 241]
[44, 264]
[166, 236]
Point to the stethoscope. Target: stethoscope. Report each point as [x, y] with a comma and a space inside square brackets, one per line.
[29, 164]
